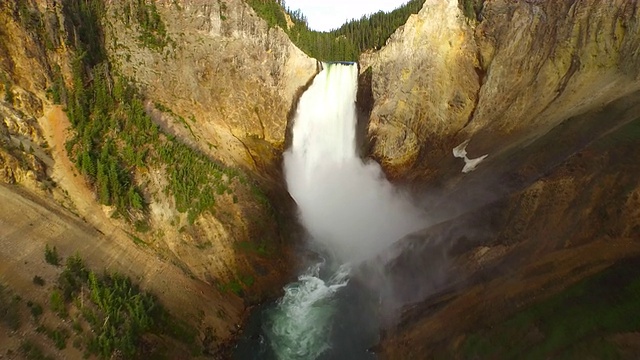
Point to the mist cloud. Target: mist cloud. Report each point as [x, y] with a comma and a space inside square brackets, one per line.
[345, 204]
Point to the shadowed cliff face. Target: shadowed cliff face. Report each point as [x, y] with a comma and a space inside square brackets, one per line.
[549, 90]
[470, 274]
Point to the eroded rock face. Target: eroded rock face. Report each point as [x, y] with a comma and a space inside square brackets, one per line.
[425, 84]
[528, 66]
[24, 156]
[550, 91]
[468, 274]
[224, 83]
[222, 66]
[549, 61]
[24, 74]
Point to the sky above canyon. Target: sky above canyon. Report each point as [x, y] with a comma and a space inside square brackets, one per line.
[330, 14]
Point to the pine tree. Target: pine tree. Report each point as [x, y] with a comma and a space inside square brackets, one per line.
[87, 165]
[135, 199]
[114, 182]
[8, 93]
[102, 184]
[345, 43]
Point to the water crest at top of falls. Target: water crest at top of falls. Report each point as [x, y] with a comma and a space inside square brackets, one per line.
[346, 204]
[324, 128]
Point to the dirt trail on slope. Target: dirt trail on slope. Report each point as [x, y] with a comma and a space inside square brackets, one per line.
[28, 222]
[55, 126]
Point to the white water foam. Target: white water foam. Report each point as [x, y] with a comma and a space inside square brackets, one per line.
[299, 327]
[345, 203]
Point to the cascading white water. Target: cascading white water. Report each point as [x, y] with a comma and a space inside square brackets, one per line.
[347, 205]
[299, 327]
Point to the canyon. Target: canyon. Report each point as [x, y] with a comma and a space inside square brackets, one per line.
[514, 128]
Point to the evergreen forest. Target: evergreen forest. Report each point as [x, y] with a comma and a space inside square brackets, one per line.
[343, 44]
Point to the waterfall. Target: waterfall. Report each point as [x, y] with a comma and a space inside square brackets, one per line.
[347, 205]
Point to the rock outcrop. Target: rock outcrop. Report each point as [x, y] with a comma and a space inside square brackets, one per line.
[550, 92]
[20, 139]
[525, 68]
[425, 86]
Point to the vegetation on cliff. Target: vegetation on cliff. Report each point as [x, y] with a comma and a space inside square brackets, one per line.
[9, 312]
[116, 140]
[343, 44]
[153, 30]
[109, 314]
[580, 322]
[105, 315]
[472, 8]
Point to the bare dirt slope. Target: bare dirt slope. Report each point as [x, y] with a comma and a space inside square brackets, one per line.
[28, 223]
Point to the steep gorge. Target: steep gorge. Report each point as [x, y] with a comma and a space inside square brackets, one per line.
[548, 90]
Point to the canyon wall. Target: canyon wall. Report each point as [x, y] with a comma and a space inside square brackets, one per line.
[213, 76]
[221, 65]
[550, 92]
[443, 79]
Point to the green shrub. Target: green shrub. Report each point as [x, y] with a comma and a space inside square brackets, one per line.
[9, 312]
[38, 280]
[8, 93]
[31, 351]
[59, 337]
[472, 8]
[36, 310]
[51, 255]
[57, 304]
[153, 33]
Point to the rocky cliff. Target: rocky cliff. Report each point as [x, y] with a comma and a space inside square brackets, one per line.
[526, 67]
[549, 91]
[213, 76]
[220, 64]
[424, 86]
[222, 81]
